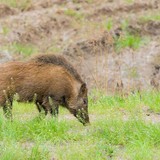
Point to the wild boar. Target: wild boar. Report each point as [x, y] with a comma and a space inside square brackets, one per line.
[46, 80]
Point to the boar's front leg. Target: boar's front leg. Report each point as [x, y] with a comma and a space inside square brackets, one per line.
[55, 110]
[39, 106]
[55, 107]
[42, 106]
[49, 106]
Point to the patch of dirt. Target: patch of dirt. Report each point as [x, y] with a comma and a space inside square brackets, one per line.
[155, 80]
[34, 26]
[152, 28]
[37, 5]
[6, 11]
[101, 67]
[111, 9]
[5, 56]
[82, 40]
[145, 28]
[90, 57]
[90, 46]
[150, 116]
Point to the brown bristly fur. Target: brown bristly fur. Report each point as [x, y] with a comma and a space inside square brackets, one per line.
[59, 61]
[51, 78]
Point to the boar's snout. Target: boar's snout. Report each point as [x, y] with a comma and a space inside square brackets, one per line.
[82, 116]
[79, 106]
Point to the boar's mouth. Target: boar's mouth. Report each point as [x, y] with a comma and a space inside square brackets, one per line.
[82, 116]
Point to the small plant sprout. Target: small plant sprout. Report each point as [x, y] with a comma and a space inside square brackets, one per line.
[16, 97]
[108, 25]
[35, 97]
[5, 30]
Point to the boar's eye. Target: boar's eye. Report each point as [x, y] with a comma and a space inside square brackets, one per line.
[83, 88]
[85, 101]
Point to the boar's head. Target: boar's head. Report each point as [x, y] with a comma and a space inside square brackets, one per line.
[80, 109]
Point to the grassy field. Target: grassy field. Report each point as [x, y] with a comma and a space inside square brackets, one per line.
[121, 128]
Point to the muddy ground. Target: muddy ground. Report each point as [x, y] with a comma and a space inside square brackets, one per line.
[84, 31]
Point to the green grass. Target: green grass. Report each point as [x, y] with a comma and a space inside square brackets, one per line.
[88, 1]
[118, 130]
[129, 1]
[5, 30]
[22, 49]
[108, 25]
[150, 17]
[128, 40]
[75, 14]
[14, 151]
[20, 4]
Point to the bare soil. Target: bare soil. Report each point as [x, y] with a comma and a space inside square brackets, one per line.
[74, 29]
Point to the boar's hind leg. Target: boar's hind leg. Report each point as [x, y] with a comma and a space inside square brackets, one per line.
[7, 109]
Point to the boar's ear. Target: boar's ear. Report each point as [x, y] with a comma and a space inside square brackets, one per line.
[83, 88]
